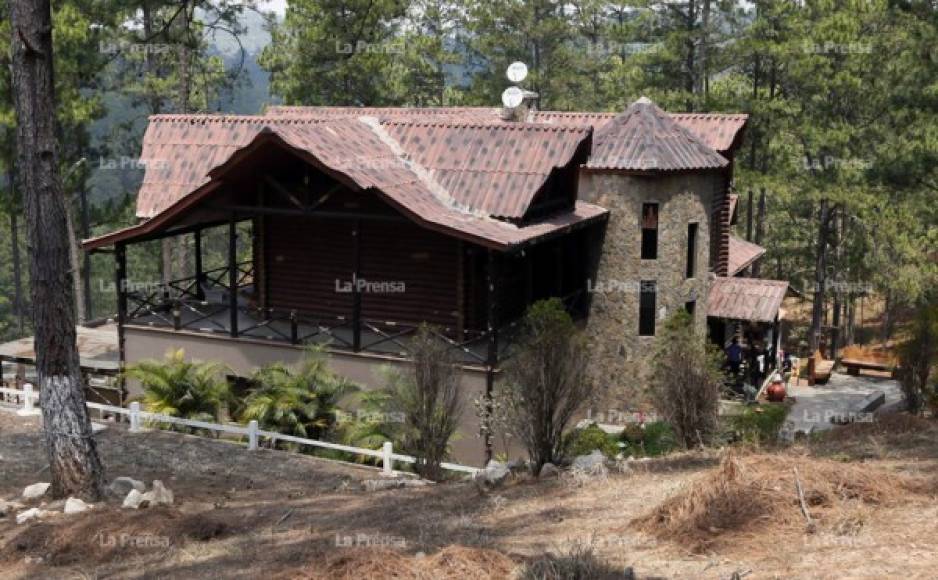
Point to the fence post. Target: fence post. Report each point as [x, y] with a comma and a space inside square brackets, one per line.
[135, 417]
[28, 407]
[252, 435]
[386, 450]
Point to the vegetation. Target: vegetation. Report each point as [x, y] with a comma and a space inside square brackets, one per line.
[544, 382]
[181, 388]
[759, 423]
[686, 381]
[918, 357]
[588, 439]
[648, 440]
[426, 399]
[301, 401]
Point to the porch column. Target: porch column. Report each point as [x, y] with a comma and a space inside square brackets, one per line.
[120, 282]
[492, 286]
[356, 293]
[199, 274]
[233, 276]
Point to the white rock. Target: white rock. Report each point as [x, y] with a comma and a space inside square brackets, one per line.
[494, 474]
[73, 505]
[158, 495]
[590, 463]
[549, 470]
[121, 486]
[382, 484]
[133, 500]
[30, 514]
[35, 490]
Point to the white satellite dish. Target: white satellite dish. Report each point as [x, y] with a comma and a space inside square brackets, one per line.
[517, 72]
[512, 97]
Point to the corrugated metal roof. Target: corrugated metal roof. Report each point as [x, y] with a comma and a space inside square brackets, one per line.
[645, 138]
[742, 254]
[194, 150]
[746, 299]
[718, 130]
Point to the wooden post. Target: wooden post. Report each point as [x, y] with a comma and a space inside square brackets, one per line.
[356, 293]
[233, 276]
[199, 269]
[492, 281]
[120, 282]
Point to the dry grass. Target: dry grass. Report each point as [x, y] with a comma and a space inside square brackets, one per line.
[451, 563]
[872, 353]
[753, 497]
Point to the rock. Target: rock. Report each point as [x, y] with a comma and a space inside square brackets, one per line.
[517, 465]
[35, 490]
[134, 500]
[494, 474]
[593, 462]
[8, 507]
[121, 486]
[158, 495]
[30, 514]
[382, 484]
[73, 505]
[548, 470]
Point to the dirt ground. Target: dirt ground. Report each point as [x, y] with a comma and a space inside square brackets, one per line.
[241, 514]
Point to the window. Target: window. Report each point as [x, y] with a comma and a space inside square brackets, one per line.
[691, 250]
[690, 307]
[649, 231]
[646, 308]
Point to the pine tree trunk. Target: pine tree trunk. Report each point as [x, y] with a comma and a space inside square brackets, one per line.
[820, 277]
[74, 466]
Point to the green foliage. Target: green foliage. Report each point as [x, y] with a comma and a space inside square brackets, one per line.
[918, 358]
[649, 440]
[585, 441]
[759, 423]
[181, 388]
[301, 401]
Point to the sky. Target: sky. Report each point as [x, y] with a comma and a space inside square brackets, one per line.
[278, 6]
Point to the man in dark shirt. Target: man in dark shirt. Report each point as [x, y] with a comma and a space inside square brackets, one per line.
[734, 355]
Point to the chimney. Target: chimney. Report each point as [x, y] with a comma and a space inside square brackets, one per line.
[520, 113]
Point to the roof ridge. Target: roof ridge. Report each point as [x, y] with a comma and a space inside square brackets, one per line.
[477, 124]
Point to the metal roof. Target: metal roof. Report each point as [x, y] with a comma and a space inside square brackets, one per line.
[720, 131]
[746, 299]
[742, 255]
[197, 151]
[645, 138]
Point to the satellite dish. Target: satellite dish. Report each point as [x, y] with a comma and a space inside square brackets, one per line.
[517, 71]
[512, 97]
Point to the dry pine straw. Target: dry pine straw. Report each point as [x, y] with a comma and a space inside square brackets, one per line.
[753, 497]
[451, 563]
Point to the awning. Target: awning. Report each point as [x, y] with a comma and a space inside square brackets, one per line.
[749, 299]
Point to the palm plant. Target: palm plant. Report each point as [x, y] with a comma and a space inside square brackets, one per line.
[181, 388]
[301, 401]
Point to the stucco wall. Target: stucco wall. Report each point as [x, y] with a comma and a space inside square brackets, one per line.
[243, 356]
[620, 356]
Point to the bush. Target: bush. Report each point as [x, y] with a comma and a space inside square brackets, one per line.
[761, 423]
[180, 388]
[585, 441]
[650, 440]
[917, 358]
[686, 381]
[544, 382]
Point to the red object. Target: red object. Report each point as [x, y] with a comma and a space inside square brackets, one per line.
[776, 391]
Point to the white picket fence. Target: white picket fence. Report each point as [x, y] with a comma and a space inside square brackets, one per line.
[137, 417]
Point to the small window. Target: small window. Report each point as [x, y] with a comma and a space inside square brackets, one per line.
[690, 307]
[691, 250]
[649, 231]
[646, 308]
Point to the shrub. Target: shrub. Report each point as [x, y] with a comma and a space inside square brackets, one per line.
[650, 440]
[180, 388]
[759, 424]
[544, 381]
[427, 398]
[686, 381]
[917, 358]
[585, 441]
[301, 401]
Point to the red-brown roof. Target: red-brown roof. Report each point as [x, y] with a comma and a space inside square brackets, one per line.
[361, 151]
[746, 299]
[645, 138]
[742, 255]
[720, 131]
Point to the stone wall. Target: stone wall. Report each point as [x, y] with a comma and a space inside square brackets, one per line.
[621, 357]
